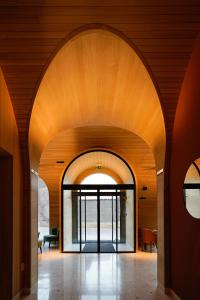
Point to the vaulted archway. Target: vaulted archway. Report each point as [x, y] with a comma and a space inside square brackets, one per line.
[97, 80]
[98, 215]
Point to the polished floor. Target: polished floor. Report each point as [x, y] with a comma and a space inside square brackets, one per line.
[96, 277]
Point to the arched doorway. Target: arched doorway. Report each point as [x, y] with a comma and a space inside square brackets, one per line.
[43, 208]
[99, 214]
[97, 80]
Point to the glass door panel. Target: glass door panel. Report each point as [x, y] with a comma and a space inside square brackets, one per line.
[107, 221]
[89, 219]
[126, 224]
[114, 235]
[83, 221]
[71, 221]
[118, 220]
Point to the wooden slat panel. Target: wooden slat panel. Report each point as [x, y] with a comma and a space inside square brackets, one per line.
[21, 11]
[117, 18]
[98, 3]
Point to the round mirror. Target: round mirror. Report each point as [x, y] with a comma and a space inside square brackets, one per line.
[191, 189]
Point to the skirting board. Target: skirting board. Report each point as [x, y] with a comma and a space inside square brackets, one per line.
[22, 292]
[172, 294]
[169, 292]
[25, 291]
[17, 297]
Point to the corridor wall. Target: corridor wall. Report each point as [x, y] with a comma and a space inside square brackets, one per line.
[9, 143]
[185, 238]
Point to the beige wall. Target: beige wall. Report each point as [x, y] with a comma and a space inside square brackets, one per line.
[9, 142]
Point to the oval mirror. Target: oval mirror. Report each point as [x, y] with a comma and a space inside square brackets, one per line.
[191, 189]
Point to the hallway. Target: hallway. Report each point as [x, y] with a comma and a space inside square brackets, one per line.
[97, 277]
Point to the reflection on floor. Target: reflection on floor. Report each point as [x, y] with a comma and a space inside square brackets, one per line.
[105, 236]
[97, 277]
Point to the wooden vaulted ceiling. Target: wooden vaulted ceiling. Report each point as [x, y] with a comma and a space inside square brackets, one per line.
[32, 31]
[68, 144]
[96, 79]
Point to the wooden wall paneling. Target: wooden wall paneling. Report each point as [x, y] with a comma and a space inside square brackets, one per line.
[186, 149]
[10, 143]
[6, 225]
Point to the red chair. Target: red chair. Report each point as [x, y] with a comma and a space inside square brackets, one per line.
[149, 237]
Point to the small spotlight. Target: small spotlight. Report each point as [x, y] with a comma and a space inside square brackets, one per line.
[144, 188]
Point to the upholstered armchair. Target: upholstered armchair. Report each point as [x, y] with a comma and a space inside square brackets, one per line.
[149, 237]
[39, 243]
[52, 237]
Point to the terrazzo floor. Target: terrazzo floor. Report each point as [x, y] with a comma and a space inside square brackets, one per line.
[96, 277]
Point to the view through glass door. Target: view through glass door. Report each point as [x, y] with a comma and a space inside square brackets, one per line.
[98, 222]
[89, 221]
[98, 218]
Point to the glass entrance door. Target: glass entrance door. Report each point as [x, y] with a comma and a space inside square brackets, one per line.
[99, 218]
[100, 221]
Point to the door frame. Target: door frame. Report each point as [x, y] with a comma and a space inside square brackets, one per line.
[115, 187]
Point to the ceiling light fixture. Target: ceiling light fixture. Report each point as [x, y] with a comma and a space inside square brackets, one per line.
[98, 167]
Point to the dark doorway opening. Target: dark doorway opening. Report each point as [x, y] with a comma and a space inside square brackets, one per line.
[6, 224]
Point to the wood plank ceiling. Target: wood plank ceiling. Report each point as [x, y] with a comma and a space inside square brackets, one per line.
[31, 31]
[96, 79]
[68, 144]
